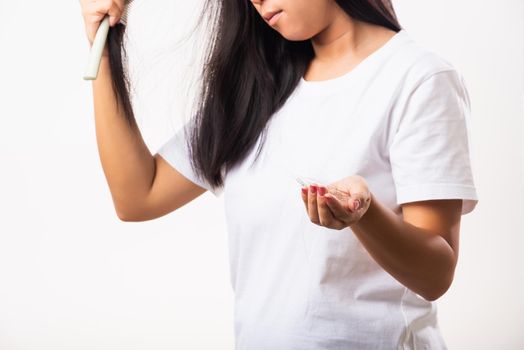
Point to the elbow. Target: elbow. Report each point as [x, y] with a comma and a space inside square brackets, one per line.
[438, 289]
[124, 217]
[433, 295]
[128, 216]
[138, 213]
[442, 280]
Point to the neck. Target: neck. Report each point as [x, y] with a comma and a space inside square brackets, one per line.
[346, 37]
[338, 39]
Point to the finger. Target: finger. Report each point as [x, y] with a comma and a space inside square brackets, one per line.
[304, 192]
[359, 194]
[356, 203]
[340, 209]
[93, 17]
[312, 204]
[94, 12]
[359, 200]
[109, 7]
[115, 12]
[326, 216]
[341, 194]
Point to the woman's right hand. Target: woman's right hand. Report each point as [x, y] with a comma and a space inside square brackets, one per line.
[94, 12]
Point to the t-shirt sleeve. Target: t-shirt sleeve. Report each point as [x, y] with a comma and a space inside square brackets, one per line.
[429, 152]
[176, 152]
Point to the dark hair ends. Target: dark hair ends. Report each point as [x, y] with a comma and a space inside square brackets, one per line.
[249, 72]
[119, 72]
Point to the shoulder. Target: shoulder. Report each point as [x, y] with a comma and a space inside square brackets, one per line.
[421, 77]
[418, 63]
[428, 87]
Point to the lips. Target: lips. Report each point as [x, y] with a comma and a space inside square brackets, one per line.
[267, 16]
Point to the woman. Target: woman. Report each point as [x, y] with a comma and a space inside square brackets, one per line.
[335, 92]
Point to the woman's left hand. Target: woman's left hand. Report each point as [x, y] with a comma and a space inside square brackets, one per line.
[339, 204]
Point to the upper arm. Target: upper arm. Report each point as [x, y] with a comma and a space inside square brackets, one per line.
[169, 191]
[429, 147]
[441, 216]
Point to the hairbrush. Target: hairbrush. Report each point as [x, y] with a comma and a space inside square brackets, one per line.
[95, 55]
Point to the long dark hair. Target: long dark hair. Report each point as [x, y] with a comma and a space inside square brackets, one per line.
[249, 72]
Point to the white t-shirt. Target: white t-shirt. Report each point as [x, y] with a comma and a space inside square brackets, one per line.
[400, 120]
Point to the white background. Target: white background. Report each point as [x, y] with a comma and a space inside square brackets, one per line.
[73, 276]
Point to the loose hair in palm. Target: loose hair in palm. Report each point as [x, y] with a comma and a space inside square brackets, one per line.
[249, 72]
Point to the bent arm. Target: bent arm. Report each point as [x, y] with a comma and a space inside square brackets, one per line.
[421, 254]
[128, 165]
[143, 187]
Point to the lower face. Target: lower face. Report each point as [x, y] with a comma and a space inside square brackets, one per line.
[299, 19]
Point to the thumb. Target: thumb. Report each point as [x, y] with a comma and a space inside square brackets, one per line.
[357, 204]
[358, 200]
[113, 20]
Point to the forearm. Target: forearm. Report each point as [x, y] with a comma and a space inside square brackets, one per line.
[127, 162]
[421, 260]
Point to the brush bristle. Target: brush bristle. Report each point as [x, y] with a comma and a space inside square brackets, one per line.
[125, 14]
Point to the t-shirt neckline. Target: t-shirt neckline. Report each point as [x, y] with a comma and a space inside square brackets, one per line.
[322, 85]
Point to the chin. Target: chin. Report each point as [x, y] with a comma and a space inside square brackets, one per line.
[295, 35]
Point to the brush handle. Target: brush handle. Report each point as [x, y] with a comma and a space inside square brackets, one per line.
[95, 56]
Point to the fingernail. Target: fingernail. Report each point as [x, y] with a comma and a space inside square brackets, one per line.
[304, 190]
[356, 204]
[313, 188]
[321, 191]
